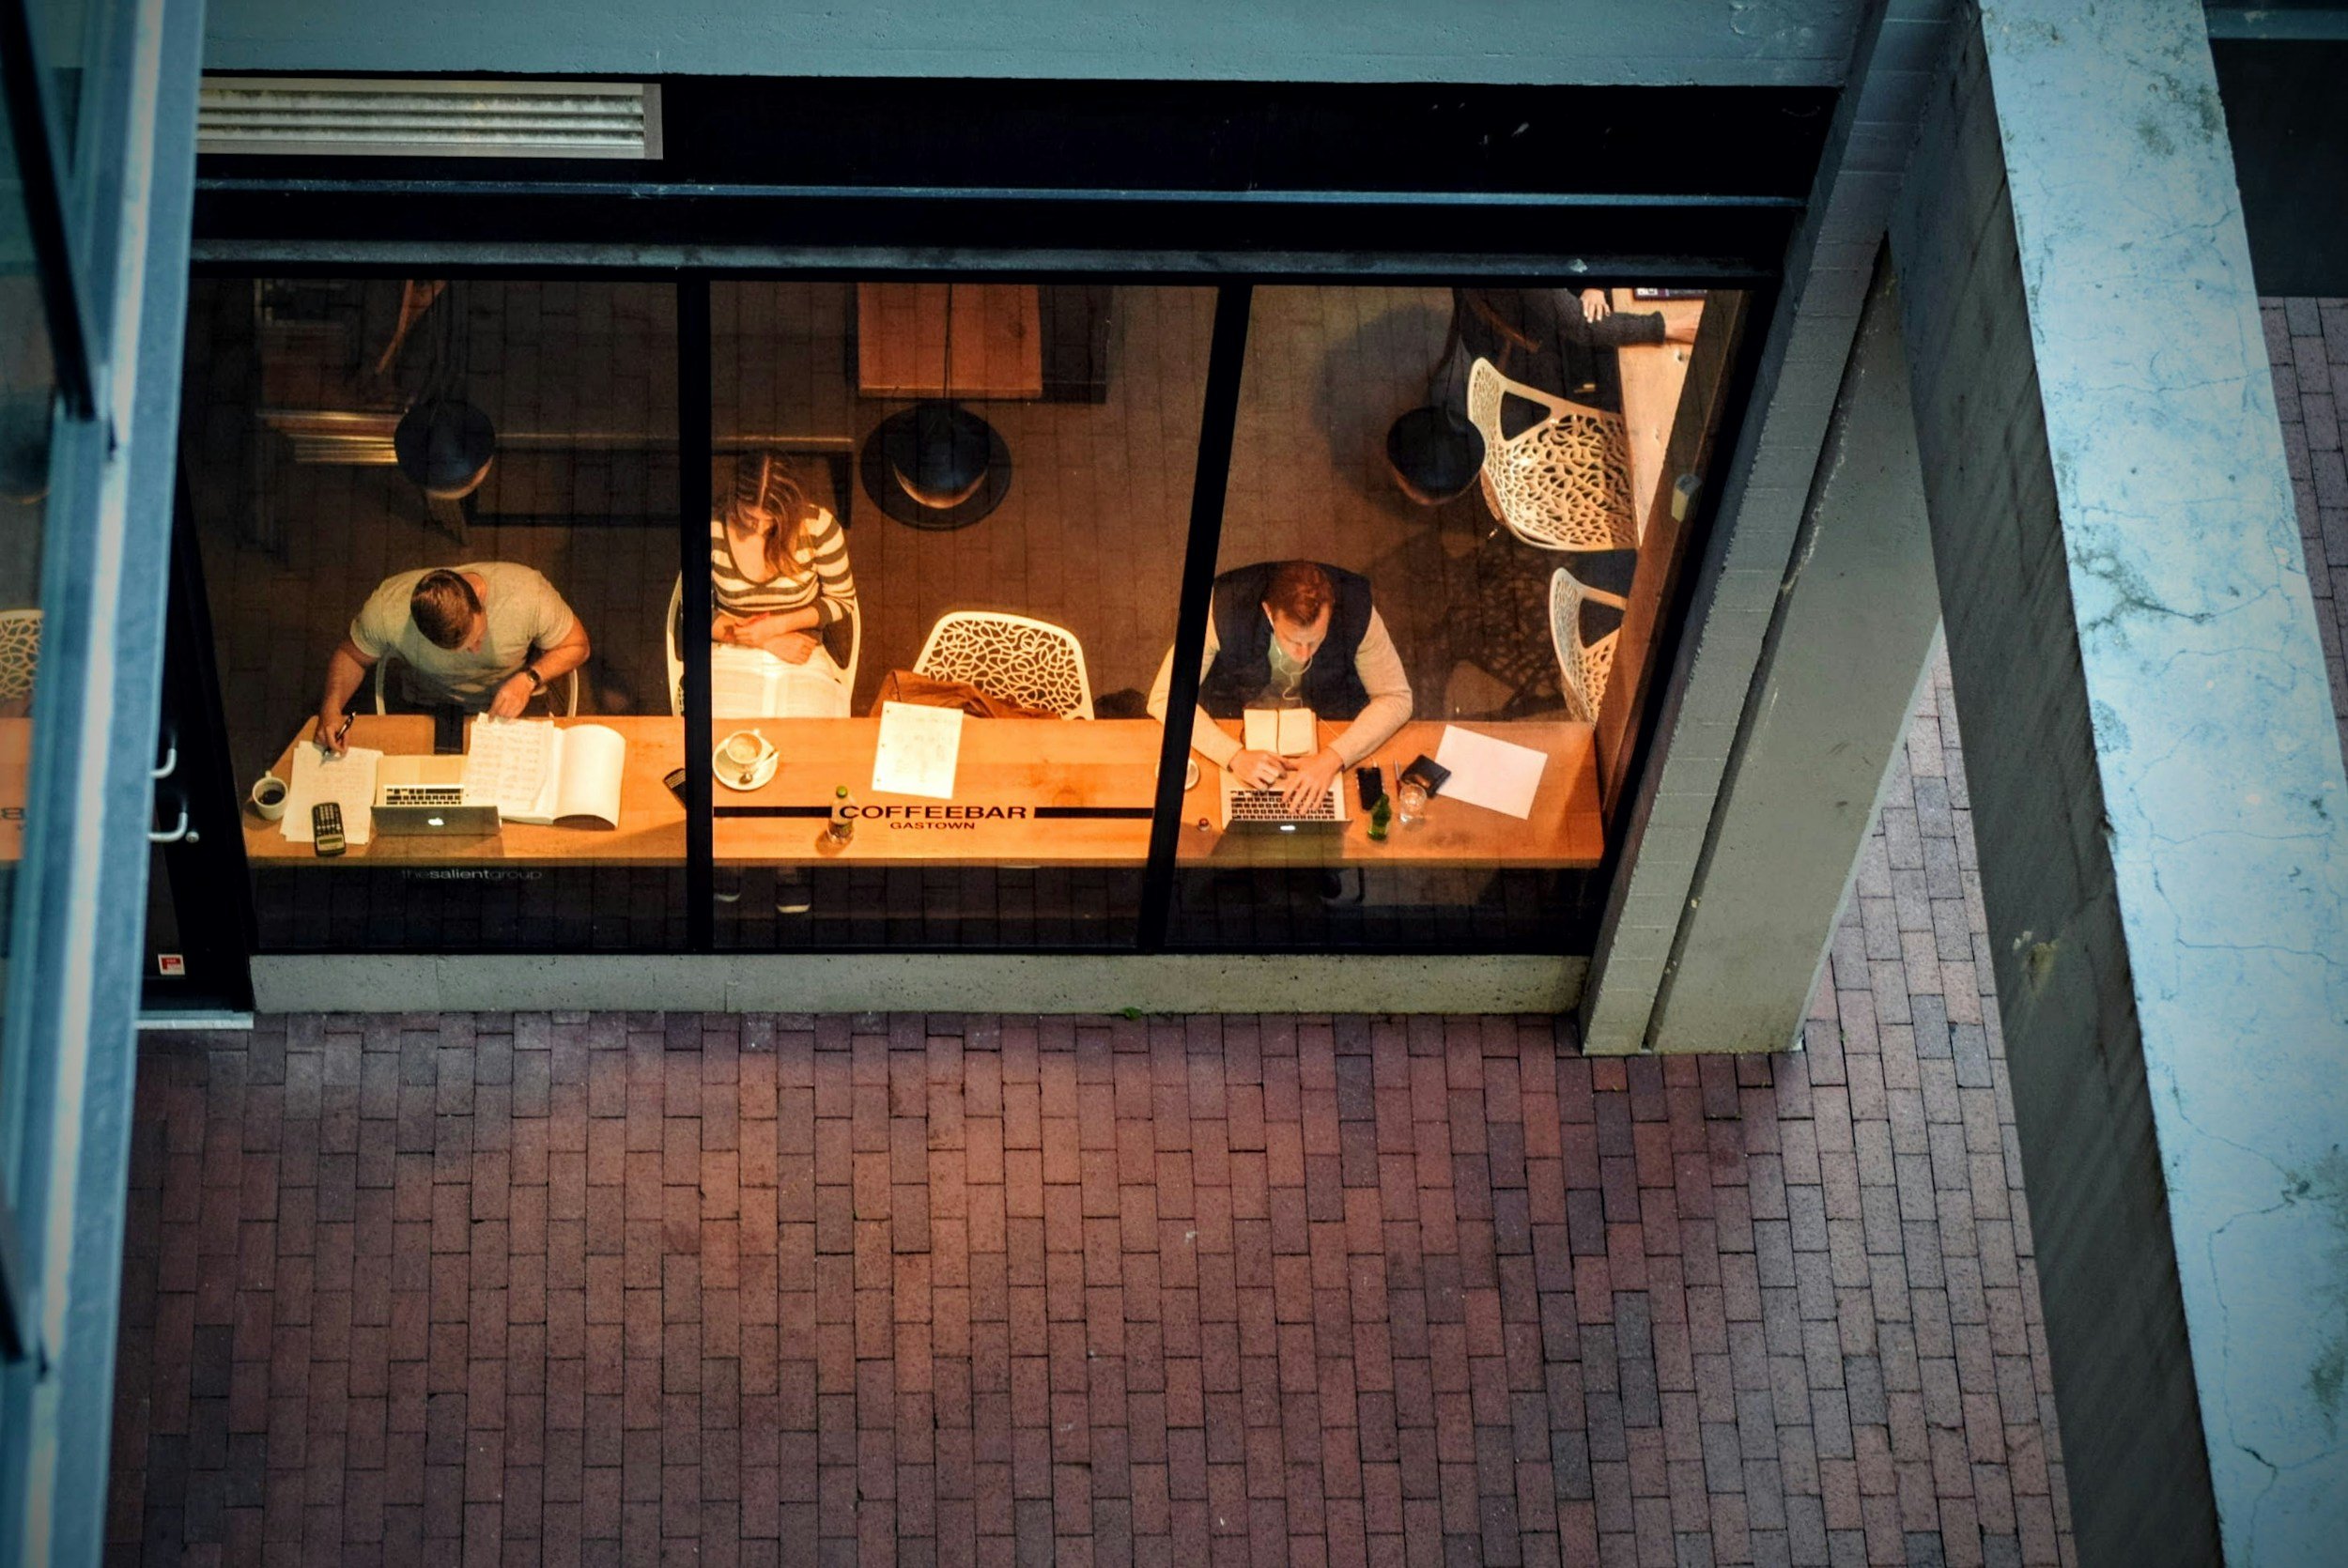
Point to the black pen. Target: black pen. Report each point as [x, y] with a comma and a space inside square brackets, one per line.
[341, 732]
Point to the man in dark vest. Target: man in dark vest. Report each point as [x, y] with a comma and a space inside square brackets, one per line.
[1291, 633]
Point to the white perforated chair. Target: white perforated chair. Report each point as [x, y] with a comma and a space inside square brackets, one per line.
[1581, 667]
[1561, 484]
[570, 688]
[675, 649]
[20, 657]
[1009, 657]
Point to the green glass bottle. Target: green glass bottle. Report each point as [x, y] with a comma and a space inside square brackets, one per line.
[1380, 815]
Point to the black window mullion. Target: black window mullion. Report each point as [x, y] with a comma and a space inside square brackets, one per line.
[25, 84]
[694, 445]
[1226, 356]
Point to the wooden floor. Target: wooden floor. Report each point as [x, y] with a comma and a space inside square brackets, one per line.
[1091, 535]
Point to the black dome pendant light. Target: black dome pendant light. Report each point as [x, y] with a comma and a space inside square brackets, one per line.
[936, 465]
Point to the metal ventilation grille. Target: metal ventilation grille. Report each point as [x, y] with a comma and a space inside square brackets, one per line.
[382, 117]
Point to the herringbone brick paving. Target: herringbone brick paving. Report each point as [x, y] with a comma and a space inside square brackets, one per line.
[610, 1288]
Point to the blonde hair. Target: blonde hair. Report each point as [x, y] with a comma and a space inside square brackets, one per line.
[769, 497]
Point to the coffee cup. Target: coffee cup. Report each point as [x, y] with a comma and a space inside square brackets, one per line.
[745, 749]
[268, 796]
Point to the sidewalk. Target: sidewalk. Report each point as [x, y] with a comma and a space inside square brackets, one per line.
[1277, 1290]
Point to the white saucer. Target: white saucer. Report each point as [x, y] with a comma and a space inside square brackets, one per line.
[1190, 774]
[730, 774]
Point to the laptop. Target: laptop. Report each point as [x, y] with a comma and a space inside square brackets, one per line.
[1249, 807]
[418, 797]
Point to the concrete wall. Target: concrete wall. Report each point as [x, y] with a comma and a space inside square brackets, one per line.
[2155, 784]
[1707, 42]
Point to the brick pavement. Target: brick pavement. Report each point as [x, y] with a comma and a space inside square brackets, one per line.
[1277, 1290]
[2307, 344]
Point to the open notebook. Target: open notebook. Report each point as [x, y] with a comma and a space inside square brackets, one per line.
[1282, 731]
[533, 772]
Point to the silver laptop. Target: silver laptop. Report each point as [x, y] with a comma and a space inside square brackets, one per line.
[425, 797]
[1246, 807]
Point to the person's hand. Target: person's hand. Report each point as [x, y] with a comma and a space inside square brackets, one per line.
[792, 647]
[1260, 769]
[1595, 305]
[1310, 781]
[327, 735]
[512, 696]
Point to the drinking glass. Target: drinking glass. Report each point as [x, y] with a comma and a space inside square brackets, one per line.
[1409, 800]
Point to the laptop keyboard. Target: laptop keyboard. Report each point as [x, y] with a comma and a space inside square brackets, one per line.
[1270, 805]
[424, 795]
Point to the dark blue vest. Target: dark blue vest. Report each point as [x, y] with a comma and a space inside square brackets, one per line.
[1243, 665]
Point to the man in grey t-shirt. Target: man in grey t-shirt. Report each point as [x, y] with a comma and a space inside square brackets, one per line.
[485, 638]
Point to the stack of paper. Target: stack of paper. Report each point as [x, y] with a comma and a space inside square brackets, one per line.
[1499, 775]
[320, 776]
[920, 748]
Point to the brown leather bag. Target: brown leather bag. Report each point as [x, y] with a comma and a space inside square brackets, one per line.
[903, 685]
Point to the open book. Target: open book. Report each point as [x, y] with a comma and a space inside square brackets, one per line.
[1282, 731]
[750, 682]
[533, 772]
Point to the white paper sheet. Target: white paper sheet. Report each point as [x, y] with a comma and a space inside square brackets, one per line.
[750, 682]
[347, 780]
[508, 762]
[1496, 773]
[920, 746]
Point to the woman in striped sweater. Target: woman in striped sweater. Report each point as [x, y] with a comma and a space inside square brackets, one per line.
[778, 564]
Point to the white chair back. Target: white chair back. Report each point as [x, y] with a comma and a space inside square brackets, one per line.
[1011, 657]
[1583, 667]
[1561, 484]
[20, 656]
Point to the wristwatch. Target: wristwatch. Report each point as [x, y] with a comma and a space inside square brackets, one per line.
[537, 681]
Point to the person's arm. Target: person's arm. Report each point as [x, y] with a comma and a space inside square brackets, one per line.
[558, 650]
[1207, 737]
[1388, 709]
[346, 668]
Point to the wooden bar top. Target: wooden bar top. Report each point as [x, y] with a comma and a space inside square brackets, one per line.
[1565, 830]
[1652, 374]
[1028, 792]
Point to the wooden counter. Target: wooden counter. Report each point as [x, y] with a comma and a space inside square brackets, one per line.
[16, 756]
[652, 826]
[1563, 831]
[1652, 374]
[1028, 792]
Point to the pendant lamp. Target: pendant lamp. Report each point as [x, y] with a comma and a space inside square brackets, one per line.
[936, 465]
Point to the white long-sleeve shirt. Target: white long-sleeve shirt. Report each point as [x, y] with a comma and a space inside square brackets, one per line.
[1375, 661]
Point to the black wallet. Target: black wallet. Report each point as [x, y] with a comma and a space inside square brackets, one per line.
[1427, 773]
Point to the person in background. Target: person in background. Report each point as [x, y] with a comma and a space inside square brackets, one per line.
[1288, 632]
[777, 564]
[485, 638]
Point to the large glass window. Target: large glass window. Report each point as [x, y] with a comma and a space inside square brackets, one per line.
[422, 500]
[28, 388]
[946, 550]
[902, 623]
[1440, 502]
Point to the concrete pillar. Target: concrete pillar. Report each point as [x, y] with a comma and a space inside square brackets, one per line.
[1766, 485]
[2156, 788]
[1839, 667]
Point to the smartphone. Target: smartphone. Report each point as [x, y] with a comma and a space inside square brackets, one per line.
[1371, 782]
[326, 829]
[676, 781]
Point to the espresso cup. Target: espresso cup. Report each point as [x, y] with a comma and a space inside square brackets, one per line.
[268, 796]
[745, 748]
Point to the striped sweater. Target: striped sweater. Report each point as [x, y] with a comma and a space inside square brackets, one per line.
[817, 574]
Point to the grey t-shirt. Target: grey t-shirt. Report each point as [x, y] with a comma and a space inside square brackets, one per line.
[523, 610]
